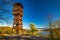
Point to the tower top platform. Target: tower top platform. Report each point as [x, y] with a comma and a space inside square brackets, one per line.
[18, 4]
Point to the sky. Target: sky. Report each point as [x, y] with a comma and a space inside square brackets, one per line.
[36, 11]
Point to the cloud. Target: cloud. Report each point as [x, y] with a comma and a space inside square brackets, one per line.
[42, 26]
[26, 25]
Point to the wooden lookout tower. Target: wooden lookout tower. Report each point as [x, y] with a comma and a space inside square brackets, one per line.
[18, 13]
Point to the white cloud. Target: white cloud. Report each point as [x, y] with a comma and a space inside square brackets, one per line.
[42, 26]
[26, 26]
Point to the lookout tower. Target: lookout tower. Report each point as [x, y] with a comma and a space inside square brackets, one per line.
[18, 13]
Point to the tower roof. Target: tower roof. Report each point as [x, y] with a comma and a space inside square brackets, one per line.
[18, 4]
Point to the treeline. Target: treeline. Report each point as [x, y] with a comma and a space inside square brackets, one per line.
[9, 30]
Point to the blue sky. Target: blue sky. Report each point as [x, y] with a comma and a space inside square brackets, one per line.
[36, 11]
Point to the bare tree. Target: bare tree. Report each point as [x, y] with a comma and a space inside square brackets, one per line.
[4, 11]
